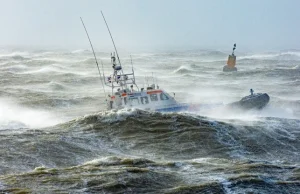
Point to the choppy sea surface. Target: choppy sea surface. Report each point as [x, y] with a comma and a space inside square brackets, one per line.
[57, 137]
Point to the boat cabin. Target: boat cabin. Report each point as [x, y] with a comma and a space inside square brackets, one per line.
[145, 99]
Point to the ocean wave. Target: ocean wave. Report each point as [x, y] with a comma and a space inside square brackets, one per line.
[183, 70]
[80, 51]
[11, 124]
[294, 82]
[54, 69]
[272, 56]
[88, 61]
[136, 124]
[118, 151]
[14, 116]
[14, 58]
[213, 53]
[45, 70]
[128, 175]
[14, 67]
[16, 54]
[56, 86]
[289, 73]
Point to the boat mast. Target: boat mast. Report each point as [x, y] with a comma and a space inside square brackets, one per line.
[125, 84]
[118, 79]
[133, 74]
[94, 57]
[112, 40]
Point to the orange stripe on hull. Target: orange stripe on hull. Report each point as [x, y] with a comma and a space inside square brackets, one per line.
[154, 92]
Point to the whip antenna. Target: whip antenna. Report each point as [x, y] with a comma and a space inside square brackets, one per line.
[103, 71]
[94, 56]
[131, 64]
[112, 39]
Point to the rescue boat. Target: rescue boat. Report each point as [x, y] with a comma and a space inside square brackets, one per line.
[253, 101]
[126, 93]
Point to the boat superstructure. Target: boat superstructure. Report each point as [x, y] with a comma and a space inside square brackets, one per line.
[125, 93]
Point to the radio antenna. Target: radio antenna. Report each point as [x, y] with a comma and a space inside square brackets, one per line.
[94, 56]
[131, 63]
[112, 39]
[103, 72]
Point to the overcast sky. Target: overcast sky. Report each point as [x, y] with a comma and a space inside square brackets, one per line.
[152, 24]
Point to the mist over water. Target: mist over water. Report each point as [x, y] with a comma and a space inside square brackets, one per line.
[56, 135]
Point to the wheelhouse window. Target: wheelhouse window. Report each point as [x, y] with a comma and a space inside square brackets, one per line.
[163, 96]
[134, 101]
[145, 100]
[153, 97]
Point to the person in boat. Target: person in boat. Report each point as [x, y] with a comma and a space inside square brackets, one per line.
[251, 91]
[125, 98]
[118, 98]
[113, 58]
[132, 90]
[118, 78]
[144, 100]
[111, 102]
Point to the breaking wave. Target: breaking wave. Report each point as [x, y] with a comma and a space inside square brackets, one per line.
[273, 56]
[14, 116]
[183, 70]
[120, 151]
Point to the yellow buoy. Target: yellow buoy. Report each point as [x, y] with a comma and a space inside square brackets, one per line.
[231, 62]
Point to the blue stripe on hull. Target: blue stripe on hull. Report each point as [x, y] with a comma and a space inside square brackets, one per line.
[173, 109]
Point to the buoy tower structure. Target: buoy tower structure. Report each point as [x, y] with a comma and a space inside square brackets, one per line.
[231, 62]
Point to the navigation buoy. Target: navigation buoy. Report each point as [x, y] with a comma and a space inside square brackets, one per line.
[231, 62]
